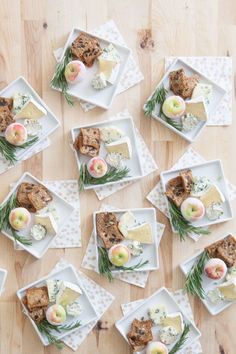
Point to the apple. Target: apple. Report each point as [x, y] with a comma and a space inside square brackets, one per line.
[56, 315]
[173, 107]
[119, 254]
[75, 71]
[97, 167]
[156, 348]
[19, 218]
[16, 134]
[192, 209]
[215, 269]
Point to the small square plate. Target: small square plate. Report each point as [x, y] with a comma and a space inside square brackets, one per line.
[49, 122]
[84, 90]
[150, 251]
[163, 297]
[67, 274]
[217, 95]
[207, 284]
[134, 164]
[3, 276]
[64, 210]
[214, 171]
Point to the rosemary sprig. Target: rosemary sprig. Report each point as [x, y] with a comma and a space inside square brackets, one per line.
[5, 210]
[9, 151]
[59, 80]
[181, 225]
[112, 175]
[105, 266]
[193, 283]
[178, 345]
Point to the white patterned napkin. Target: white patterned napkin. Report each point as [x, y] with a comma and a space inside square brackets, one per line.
[189, 158]
[219, 70]
[182, 299]
[100, 299]
[134, 278]
[146, 159]
[132, 74]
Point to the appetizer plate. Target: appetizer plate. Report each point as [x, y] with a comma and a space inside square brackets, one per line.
[214, 171]
[84, 90]
[64, 210]
[217, 95]
[207, 284]
[134, 164]
[163, 297]
[49, 122]
[3, 276]
[66, 274]
[150, 251]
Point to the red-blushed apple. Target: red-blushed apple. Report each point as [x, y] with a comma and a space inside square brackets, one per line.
[56, 315]
[97, 167]
[75, 71]
[119, 255]
[16, 134]
[156, 348]
[192, 209]
[173, 107]
[19, 218]
[215, 269]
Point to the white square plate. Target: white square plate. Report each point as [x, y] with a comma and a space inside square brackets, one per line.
[67, 274]
[163, 297]
[134, 164]
[3, 276]
[49, 122]
[214, 171]
[84, 90]
[150, 251]
[207, 285]
[64, 210]
[217, 94]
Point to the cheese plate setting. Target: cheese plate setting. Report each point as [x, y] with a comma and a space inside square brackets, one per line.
[32, 215]
[183, 100]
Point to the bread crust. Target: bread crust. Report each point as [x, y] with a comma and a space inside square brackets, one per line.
[86, 49]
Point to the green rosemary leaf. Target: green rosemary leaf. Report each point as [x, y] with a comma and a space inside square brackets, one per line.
[178, 345]
[8, 150]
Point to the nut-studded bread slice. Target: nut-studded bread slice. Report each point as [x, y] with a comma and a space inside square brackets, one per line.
[175, 190]
[39, 197]
[181, 84]
[22, 196]
[187, 179]
[140, 334]
[38, 315]
[88, 142]
[107, 229]
[6, 118]
[224, 249]
[37, 298]
[86, 49]
[6, 102]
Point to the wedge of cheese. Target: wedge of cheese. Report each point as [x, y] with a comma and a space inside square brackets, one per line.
[53, 286]
[228, 289]
[175, 320]
[106, 67]
[212, 195]
[68, 293]
[204, 91]
[31, 110]
[122, 147]
[108, 63]
[157, 314]
[110, 134]
[141, 233]
[127, 221]
[48, 221]
[197, 109]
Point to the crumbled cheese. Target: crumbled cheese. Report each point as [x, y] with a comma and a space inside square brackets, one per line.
[231, 273]
[200, 185]
[135, 248]
[74, 309]
[99, 81]
[189, 122]
[214, 211]
[168, 335]
[215, 296]
[115, 159]
[38, 232]
[33, 127]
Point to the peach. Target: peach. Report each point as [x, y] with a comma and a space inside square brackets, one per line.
[75, 71]
[19, 218]
[56, 315]
[173, 107]
[215, 269]
[16, 134]
[119, 255]
[97, 167]
[156, 348]
[192, 209]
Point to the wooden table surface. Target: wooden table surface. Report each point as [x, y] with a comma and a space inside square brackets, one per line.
[29, 30]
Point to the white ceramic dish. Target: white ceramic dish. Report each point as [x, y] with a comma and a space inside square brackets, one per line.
[88, 315]
[150, 251]
[163, 297]
[49, 122]
[64, 210]
[207, 284]
[217, 95]
[83, 90]
[214, 171]
[3, 276]
[134, 164]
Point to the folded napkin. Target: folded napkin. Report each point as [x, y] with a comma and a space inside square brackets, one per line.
[131, 76]
[189, 158]
[134, 278]
[219, 70]
[183, 301]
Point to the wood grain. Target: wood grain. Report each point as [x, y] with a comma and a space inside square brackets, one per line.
[30, 29]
